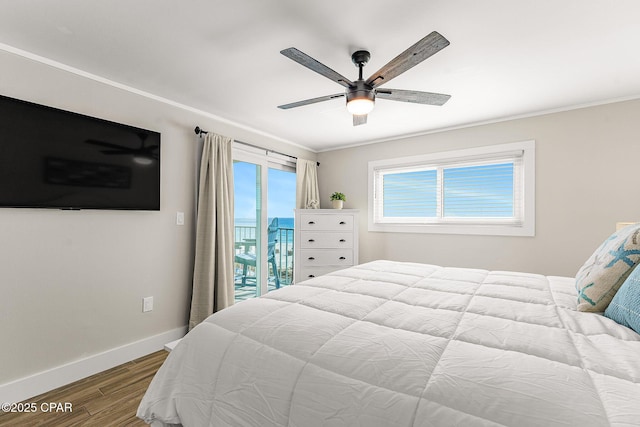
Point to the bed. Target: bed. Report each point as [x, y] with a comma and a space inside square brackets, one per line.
[403, 344]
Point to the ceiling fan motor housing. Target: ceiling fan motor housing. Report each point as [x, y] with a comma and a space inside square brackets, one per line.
[361, 90]
[360, 99]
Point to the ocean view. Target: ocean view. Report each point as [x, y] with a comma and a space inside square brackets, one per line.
[283, 223]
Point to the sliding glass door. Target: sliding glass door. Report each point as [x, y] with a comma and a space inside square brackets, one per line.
[281, 192]
[264, 196]
[247, 229]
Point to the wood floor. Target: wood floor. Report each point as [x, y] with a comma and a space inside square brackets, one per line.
[109, 398]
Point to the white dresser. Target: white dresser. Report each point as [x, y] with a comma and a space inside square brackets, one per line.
[325, 240]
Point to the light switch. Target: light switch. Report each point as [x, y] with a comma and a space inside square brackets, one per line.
[180, 218]
[147, 304]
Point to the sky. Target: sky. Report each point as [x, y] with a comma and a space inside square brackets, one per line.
[281, 193]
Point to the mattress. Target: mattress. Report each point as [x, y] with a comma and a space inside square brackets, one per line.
[403, 344]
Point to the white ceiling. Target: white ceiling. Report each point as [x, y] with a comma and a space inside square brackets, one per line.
[507, 58]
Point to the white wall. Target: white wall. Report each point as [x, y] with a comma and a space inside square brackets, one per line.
[72, 282]
[586, 180]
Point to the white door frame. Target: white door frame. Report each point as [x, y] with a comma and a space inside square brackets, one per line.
[262, 269]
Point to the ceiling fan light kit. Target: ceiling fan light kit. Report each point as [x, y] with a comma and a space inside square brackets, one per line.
[360, 100]
[143, 155]
[361, 94]
[360, 106]
[142, 159]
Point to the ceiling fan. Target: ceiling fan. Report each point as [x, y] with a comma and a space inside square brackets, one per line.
[143, 155]
[361, 94]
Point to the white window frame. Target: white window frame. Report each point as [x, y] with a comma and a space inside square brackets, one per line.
[524, 180]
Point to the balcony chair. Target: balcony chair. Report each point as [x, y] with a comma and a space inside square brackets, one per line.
[248, 259]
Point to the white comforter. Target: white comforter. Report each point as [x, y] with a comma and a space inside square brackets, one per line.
[403, 344]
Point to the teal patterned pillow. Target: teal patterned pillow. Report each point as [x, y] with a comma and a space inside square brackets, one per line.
[604, 272]
[625, 306]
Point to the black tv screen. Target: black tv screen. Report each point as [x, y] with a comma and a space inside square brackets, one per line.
[51, 158]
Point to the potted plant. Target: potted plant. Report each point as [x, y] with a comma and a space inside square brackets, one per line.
[337, 200]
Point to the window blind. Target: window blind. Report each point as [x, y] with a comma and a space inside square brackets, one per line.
[410, 194]
[477, 190]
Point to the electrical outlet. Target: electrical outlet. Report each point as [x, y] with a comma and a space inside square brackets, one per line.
[147, 304]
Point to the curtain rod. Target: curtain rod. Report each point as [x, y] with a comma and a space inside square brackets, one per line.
[200, 131]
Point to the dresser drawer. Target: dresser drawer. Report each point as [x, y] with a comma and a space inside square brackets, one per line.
[324, 257]
[326, 239]
[311, 272]
[326, 222]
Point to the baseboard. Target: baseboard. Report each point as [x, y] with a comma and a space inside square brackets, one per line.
[171, 345]
[42, 382]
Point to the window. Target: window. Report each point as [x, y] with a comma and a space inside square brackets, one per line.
[486, 190]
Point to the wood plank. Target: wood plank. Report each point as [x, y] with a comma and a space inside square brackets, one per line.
[116, 415]
[139, 373]
[130, 392]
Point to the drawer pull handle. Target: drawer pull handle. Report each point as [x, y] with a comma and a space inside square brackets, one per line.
[342, 240]
[311, 275]
[342, 257]
[311, 258]
[311, 222]
[311, 240]
[342, 223]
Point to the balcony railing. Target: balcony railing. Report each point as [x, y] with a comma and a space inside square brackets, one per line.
[284, 255]
[245, 237]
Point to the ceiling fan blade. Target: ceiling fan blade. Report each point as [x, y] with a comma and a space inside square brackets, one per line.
[111, 152]
[411, 57]
[314, 65]
[359, 119]
[413, 96]
[310, 101]
[105, 144]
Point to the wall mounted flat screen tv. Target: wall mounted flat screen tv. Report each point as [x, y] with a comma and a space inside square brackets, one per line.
[51, 158]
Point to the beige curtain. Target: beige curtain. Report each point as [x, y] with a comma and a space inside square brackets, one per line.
[307, 193]
[213, 286]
